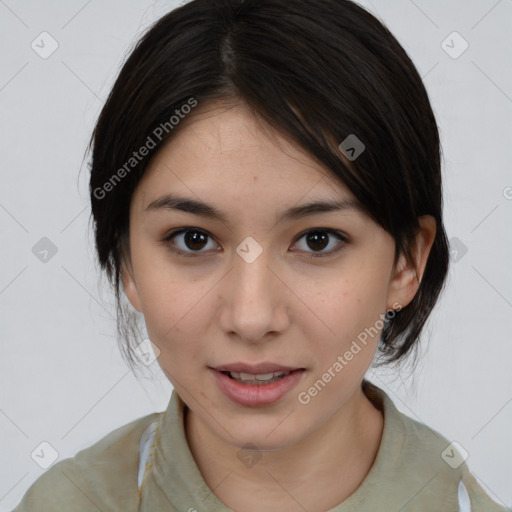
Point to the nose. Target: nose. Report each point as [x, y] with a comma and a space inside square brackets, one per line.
[255, 300]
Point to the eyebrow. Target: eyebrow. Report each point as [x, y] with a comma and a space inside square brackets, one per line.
[172, 202]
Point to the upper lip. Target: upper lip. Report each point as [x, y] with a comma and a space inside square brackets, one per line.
[254, 369]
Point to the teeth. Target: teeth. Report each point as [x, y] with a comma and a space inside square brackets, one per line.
[260, 376]
[268, 376]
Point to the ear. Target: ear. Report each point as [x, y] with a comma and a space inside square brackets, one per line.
[406, 277]
[130, 286]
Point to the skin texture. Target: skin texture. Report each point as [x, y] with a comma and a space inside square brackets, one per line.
[285, 307]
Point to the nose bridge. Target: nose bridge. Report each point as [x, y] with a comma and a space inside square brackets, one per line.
[252, 277]
[253, 297]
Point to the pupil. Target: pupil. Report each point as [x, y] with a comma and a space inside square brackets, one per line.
[317, 237]
[194, 237]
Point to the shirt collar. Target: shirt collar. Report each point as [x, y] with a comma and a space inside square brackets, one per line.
[177, 475]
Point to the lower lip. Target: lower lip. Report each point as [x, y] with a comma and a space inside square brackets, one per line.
[256, 395]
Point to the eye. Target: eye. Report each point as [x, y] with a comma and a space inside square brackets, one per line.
[188, 241]
[318, 239]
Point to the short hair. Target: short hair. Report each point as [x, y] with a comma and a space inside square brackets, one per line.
[318, 71]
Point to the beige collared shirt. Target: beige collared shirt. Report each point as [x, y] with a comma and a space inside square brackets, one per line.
[147, 466]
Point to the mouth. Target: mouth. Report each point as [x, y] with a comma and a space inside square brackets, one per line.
[256, 385]
[258, 379]
[256, 374]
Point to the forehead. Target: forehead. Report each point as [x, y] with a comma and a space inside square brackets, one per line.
[225, 165]
[226, 153]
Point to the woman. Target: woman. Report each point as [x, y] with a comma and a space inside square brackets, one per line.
[266, 190]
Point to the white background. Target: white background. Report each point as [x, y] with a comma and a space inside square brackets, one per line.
[62, 379]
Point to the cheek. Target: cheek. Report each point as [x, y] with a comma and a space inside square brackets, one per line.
[171, 299]
[173, 309]
[172, 319]
[348, 310]
[343, 343]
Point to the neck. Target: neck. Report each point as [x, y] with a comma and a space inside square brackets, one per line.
[319, 472]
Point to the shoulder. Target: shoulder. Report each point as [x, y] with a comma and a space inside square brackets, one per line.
[412, 441]
[103, 475]
[434, 467]
[423, 460]
[422, 440]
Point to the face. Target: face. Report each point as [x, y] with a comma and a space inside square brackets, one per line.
[304, 293]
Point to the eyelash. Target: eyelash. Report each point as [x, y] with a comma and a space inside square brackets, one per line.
[337, 234]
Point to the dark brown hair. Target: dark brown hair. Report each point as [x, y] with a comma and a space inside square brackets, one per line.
[316, 70]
